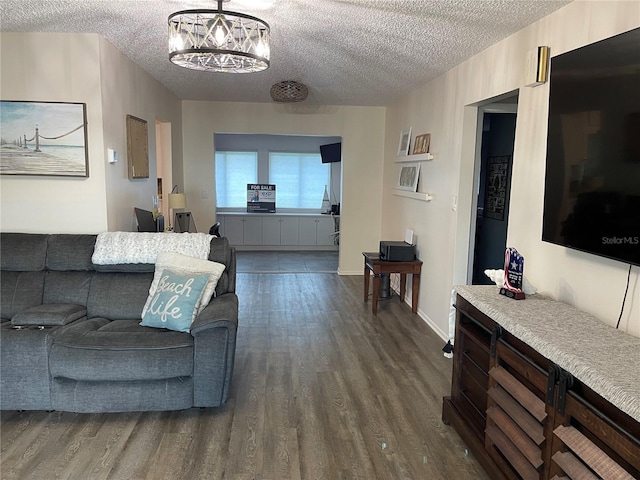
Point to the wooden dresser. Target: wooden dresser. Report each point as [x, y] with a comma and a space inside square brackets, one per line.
[541, 390]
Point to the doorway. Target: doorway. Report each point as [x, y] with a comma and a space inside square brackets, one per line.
[489, 237]
[164, 168]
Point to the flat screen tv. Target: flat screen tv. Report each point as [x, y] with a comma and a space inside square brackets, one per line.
[592, 180]
[330, 153]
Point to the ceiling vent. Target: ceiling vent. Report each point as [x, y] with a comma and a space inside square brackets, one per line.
[289, 91]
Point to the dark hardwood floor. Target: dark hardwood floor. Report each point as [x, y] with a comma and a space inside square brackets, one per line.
[322, 390]
[287, 261]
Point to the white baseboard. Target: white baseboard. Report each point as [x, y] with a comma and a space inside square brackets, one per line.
[438, 331]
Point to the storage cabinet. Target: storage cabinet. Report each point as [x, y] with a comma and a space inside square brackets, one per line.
[233, 229]
[271, 231]
[289, 230]
[242, 230]
[316, 230]
[524, 416]
[325, 228]
[279, 231]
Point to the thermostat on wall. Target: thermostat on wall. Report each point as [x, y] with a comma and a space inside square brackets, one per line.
[112, 155]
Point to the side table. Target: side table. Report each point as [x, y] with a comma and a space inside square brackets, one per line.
[373, 264]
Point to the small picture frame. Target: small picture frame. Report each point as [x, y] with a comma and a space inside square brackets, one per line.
[405, 141]
[421, 145]
[408, 177]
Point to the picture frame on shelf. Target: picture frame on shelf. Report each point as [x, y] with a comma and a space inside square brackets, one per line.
[405, 141]
[421, 145]
[408, 177]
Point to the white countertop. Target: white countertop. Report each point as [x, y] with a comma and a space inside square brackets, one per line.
[277, 214]
[603, 358]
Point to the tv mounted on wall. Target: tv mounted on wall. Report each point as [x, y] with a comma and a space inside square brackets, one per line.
[330, 153]
[592, 182]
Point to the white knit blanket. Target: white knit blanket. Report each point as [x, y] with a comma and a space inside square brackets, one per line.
[114, 248]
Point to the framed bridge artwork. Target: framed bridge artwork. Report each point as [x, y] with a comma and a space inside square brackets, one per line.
[43, 138]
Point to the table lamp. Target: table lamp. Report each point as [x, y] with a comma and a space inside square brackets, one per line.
[176, 200]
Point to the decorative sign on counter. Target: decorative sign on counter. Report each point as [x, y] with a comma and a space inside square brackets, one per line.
[513, 274]
[261, 198]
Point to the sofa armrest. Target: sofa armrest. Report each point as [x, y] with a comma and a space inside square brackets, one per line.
[214, 340]
[221, 309]
[49, 315]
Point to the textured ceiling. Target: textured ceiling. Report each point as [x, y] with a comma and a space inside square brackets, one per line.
[348, 52]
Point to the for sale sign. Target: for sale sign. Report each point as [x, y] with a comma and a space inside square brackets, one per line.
[261, 197]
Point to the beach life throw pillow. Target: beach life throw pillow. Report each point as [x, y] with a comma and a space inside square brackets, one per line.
[186, 265]
[174, 303]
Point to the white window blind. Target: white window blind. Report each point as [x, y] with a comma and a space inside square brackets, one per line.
[300, 179]
[233, 171]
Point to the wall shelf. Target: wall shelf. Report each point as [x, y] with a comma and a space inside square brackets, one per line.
[425, 197]
[419, 157]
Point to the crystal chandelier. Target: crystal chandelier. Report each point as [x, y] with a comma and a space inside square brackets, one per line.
[218, 41]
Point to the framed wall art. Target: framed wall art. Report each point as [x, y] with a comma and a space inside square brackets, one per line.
[495, 195]
[43, 138]
[408, 177]
[137, 147]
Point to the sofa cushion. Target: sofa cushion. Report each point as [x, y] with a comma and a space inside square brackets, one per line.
[70, 252]
[126, 267]
[22, 252]
[183, 264]
[121, 350]
[90, 397]
[49, 315]
[221, 252]
[67, 287]
[118, 296]
[19, 291]
[173, 304]
[24, 368]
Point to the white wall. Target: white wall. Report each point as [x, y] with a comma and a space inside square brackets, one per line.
[59, 68]
[83, 68]
[444, 108]
[361, 129]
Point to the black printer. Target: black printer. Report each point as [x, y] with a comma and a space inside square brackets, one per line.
[397, 251]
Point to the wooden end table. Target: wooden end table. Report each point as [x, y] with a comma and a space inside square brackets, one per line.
[373, 264]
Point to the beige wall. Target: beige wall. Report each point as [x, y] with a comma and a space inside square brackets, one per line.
[128, 90]
[83, 68]
[60, 68]
[444, 108]
[361, 129]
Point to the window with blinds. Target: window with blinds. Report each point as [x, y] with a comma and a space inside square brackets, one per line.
[233, 171]
[300, 179]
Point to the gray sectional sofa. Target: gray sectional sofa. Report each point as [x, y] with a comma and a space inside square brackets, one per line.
[75, 343]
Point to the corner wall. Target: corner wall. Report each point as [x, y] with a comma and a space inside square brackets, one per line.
[361, 129]
[446, 107]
